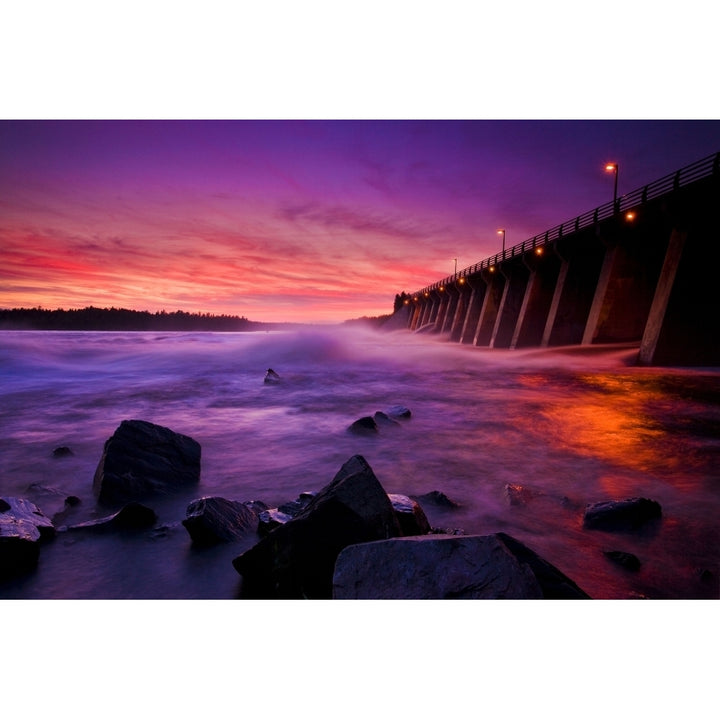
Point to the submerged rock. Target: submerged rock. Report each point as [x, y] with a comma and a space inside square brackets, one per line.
[627, 514]
[382, 418]
[399, 411]
[63, 451]
[624, 559]
[271, 377]
[364, 426]
[23, 527]
[448, 567]
[133, 516]
[435, 497]
[296, 560]
[212, 520]
[143, 459]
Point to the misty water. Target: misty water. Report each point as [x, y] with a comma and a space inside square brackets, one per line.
[572, 426]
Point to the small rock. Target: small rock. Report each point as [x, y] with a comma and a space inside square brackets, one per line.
[627, 514]
[517, 494]
[624, 559]
[132, 516]
[212, 520]
[399, 411]
[271, 377]
[364, 426]
[62, 451]
[382, 419]
[410, 515]
[435, 497]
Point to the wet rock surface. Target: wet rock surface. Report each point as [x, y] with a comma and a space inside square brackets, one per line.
[133, 516]
[629, 514]
[211, 520]
[23, 527]
[297, 559]
[435, 567]
[142, 459]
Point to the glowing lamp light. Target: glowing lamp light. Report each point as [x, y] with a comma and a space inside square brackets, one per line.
[630, 216]
[407, 302]
[491, 268]
[442, 288]
[538, 251]
[461, 281]
[610, 167]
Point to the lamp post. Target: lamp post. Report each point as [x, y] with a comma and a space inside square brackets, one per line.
[613, 167]
[456, 267]
[502, 232]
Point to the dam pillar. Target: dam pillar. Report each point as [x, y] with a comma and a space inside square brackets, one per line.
[491, 303]
[544, 266]
[477, 287]
[453, 297]
[581, 260]
[683, 325]
[464, 293]
[516, 274]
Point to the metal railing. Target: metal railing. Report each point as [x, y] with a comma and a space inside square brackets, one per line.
[665, 185]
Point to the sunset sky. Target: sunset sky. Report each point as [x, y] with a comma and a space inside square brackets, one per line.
[296, 220]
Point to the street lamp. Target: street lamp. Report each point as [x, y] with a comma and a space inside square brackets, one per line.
[502, 232]
[613, 167]
[455, 266]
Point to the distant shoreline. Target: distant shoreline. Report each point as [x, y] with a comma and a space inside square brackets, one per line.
[122, 320]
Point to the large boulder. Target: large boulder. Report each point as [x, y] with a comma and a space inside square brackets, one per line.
[447, 567]
[142, 459]
[212, 520]
[296, 559]
[23, 527]
[628, 514]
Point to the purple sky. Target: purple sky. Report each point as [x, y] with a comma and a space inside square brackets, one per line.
[296, 220]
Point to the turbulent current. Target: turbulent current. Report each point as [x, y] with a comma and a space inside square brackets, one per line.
[572, 426]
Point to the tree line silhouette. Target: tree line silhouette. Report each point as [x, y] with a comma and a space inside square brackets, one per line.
[92, 318]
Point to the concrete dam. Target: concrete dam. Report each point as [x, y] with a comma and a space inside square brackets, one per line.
[643, 268]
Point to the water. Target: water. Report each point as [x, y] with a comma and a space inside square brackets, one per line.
[572, 426]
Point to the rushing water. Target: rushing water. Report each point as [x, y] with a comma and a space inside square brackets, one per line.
[572, 426]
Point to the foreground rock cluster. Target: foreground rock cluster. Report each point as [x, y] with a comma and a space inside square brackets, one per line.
[349, 540]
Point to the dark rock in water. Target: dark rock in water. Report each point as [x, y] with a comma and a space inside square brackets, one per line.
[212, 520]
[410, 515]
[270, 519]
[271, 377]
[49, 499]
[621, 515]
[447, 567]
[517, 494]
[22, 528]
[132, 516]
[70, 503]
[293, 507]
[257, 506]
[399, 411]
[296, 560]
[382, 419]
[624, 559]
[435, 497]
[63, 451]
[364, 426]
[143, 459]
[72, 500]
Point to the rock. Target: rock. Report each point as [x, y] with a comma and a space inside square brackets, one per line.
[296, 559]
[624, 559]
[517, 494]
[435, 497]
[63, 451]
[621, 515]
[293, 507]
[382, 419]
[143, 459]
[132, 516]
[410, 515]
[212, 520]
[257, 506]
[50, 500]
[364, 426]
[70, 503]
[23, 527]
[271, 377]
[399, 411]
[270, 519]
[446, 567]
